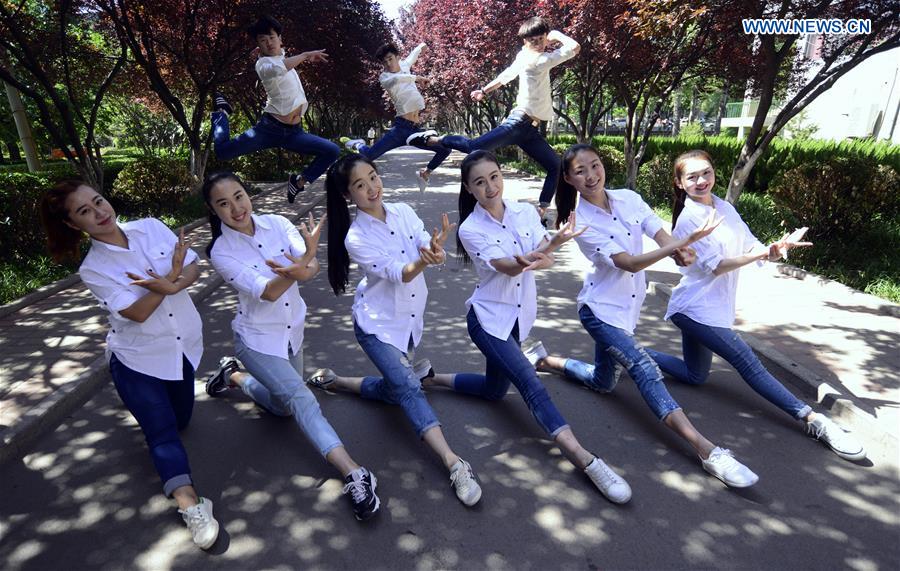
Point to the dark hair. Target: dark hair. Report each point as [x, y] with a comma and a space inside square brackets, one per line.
[337, 195]
[63, 241]
[566, 195]
[209, 183]
[263, 26]
[384, 50]
[467, 200]
[535, 26]
[679, 194]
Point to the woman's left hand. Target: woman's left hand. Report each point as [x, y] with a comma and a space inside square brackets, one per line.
[155, 283]
[781, 248]
[535, 261]
[295, 271]
[311, 232]
[566, 232]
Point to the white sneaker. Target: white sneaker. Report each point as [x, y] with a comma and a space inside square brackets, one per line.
[844, 445]
[534, 351]
[423, 182]
[199, 519]
[462, 479]
[354, 144]
[610, 484]
[421, 138]
[722, 464]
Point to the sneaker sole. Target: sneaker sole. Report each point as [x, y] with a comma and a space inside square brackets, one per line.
[472, 502]
[730, 484]
[845, 455]
[213, 542]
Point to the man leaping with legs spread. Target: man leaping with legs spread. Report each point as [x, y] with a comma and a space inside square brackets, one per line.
[400, 84]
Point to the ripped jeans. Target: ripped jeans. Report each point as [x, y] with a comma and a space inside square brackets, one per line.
[614, 347]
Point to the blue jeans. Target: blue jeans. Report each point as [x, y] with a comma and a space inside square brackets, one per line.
[613, 345]
[268, 133]
[507, 364]
[277, 385]
[161, 408]
[396, 137]
[699, 342]
[515, 130]
[398, 385]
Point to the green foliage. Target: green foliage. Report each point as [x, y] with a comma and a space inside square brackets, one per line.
[20, 229]
[18, 279]
[654, 181]
[691, 130]
[151, 186]
[838, 197]
[614, 163]
[266, 165]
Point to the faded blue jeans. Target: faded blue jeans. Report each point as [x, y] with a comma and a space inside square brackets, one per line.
[161, 408]
[517, 129]
[396, 137]
[507, 364]
[268, 133]
[699, 342]
[399, 384]
[277, 385]
[613, 345]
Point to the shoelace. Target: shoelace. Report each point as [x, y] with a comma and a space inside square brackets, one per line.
[196, 515]
[357, 490]
[609, 475]
[717, 458]
[463, 476]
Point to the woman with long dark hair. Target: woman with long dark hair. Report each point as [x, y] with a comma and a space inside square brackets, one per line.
[507, 243]
[392, 249]
[264, 257]
[139, 271]
[703, 303]
[610, 300]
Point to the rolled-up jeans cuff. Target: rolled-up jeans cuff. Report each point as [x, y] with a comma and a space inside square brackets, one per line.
[804, 412]
[556, 432]
[176, 482]
[331, 447]
[428, 427]
[665, 414]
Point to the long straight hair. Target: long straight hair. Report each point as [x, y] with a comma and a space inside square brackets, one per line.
[63, 241]
[209, 183]
[337, 196]
[679, 195]
[566, 195]
[467, 200]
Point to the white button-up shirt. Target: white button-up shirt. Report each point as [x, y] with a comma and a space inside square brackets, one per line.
[154, 347]
[283, 88]
[384, 306]
[701, 295]
[533, 71]
[501, 300]
[264, 326]
[615, 296]
[401, 86]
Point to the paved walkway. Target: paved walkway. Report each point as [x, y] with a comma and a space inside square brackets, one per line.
[86, 494]
[51, 350]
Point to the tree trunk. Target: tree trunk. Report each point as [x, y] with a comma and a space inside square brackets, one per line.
[723, 105]
[197, 165]
[742, 171]
[23, 127]
[14, 155]
[695, 105]
[676, 115]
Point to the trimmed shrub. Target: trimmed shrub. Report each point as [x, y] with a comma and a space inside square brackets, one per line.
[20, 229]
[265, 165]
[654, 181]
[151, 186]
[838, 197]
[614, 163]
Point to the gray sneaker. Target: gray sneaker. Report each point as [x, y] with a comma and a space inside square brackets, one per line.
[723, 465]
[200, 521]
[610, 484]
[462, 479]
[839, 440]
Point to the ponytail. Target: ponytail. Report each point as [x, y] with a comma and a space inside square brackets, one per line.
[63, 241]
[566, 195]
[209, 183]
[679, 195]
[467, 200]
[337, 194]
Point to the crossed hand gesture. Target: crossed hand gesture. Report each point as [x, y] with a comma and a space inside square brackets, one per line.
[566, 232]
[435, 255]
[710, 224]
[780, 248]
[165, 285]
[297, 269]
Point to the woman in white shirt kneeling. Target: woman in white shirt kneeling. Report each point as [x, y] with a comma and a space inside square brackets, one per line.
[392, 249]
[703, 303]
[264, 257]
[139, 271]
[507, 243]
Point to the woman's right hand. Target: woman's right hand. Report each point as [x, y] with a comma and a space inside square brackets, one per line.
[156, 283]
[710, 224]
[311, 232]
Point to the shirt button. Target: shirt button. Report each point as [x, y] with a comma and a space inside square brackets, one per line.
[632, 295]
[413, 314]
[162, 253]
[610, 237]
[629, 233]
[592, 283]
[178, 338]
[614, 218]
[410, 237]
[282, 249]
[170, 315]
[414, 295]
[289, 326]
[259, 245]
[498, 241]
[114, 330]
[374, 265]
[504, 225]
[392, 232]
[517, 285]
[519, 305]
[286, 304]
[402, 251]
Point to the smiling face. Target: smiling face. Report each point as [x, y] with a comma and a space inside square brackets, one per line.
[269, 44]
[586, 175]
[485, 183]
[536, 43]
[89, 212]
[697, 178]
[391, 62]
[232, 205]
[364, 188]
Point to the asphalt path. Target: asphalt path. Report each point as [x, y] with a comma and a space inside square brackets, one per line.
[87, 497]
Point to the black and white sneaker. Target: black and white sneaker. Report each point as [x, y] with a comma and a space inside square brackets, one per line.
[221, 104]
[294, 187]
[421, 138]
[219, 382]
[360, 484]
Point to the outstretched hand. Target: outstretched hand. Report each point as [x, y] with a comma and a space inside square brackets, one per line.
[781, 248]
[478, 94]
[311, 233]
[297, 270]
[566, 232]
[315, 56]
[710, 224]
